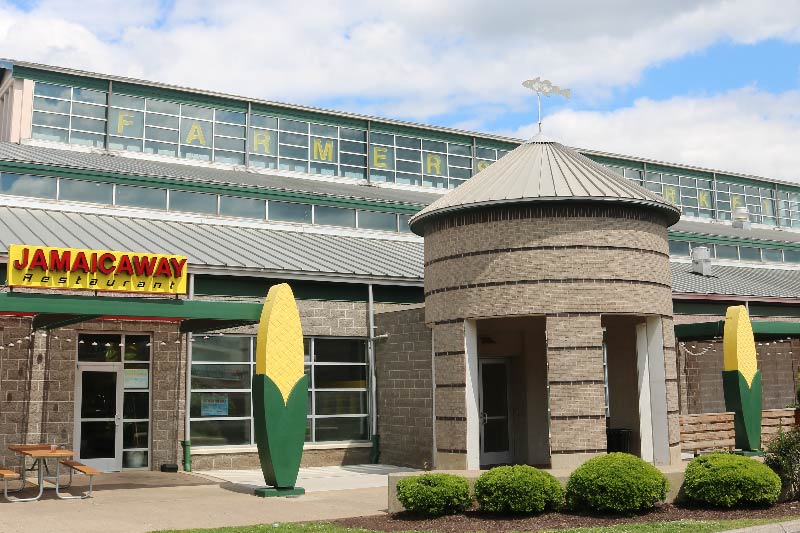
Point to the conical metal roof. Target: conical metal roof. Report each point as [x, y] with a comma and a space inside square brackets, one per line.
[542, 170]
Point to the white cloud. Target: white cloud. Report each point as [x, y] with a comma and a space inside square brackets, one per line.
[743, 131]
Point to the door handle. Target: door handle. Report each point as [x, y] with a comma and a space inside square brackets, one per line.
[117, 421]
[484, 418]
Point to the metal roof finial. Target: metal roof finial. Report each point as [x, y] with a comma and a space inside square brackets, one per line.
[546, 88]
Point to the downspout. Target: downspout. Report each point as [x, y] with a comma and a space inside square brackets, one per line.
[375, 453]
[187, 445]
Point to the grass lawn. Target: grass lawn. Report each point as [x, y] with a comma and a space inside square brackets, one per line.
[687, 526]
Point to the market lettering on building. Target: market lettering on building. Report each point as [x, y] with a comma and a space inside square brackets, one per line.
[97, 270]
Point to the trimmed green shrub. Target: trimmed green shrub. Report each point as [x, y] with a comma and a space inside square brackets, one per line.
[728, 480]
[616, 483]
[783, 457]
[518, 489]
[434, 494]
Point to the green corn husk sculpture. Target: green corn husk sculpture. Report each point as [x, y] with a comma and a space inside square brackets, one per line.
[280, 393]
[741, 378]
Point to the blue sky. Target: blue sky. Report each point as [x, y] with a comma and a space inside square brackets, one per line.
[689, 81]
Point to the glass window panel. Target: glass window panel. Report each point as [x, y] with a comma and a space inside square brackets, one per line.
[434, 164]
[434, 146]
[88, 110]
[633, 174]
[220, 376]
[407, 142]
[433, 181]
[335, 429]
[409, 166]
[295, 152]
[23, 185]
[136, 405]
[679, 248]
[159, 148]
[229, 131]
[481, 165]
[460, 149]
[293, 139]
[263, 142]
[501, 153]
[49, 134]
[727, 252]
[403, 222]
[131, 102]
[141, 197]
[341, 403]
[134, 459]
[377, 221]
[137, 346]
[292, 164]
[202, 113]
[339, 351]
[47, 104]
[653, 176]
[340, 377]
[88, 124]
[196, 152]
[461, 173]
[408, 179]
[688, 182]
[48, 119]
[350, 172]
[669, 178]
[135, 434]
[324, 130]
[749, 254]
[192, 202]
[225, 143]
[159, 106]
[352, 159]
[325, 169]
[350, 146]
[120, 143]
[353, 135]
[455, 183]
[163, 121]
[616, 170]
[48, 89]
[382, 157]
[86, 191]
[88, 95]
[234, 117]
[227, 349]
[230, 158]
[159, 134]
[259, 121]
[263, 161]
[381, 138]
[88, 139]
[411, 155]
[791, 256]
[289, 212]
[334, 216]
[485, 153]
[220, 432]
[99, 348]
[125, 122]
[323, 150]
[195, 133]
[220, 404]
[294, 125]
[772, 255]
[242, 207]
[460, 161]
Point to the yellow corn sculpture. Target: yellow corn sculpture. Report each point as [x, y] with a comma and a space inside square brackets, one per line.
[280, 393]
[741, 378]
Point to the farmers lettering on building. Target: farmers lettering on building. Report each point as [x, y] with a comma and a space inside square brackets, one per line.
[100, 270]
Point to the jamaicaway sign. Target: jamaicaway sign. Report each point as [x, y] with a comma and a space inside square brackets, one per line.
[95, 270]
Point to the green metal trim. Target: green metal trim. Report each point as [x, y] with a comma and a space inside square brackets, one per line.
[399, 129]
[616, 162]
[717, 239]
[691, 173]
[172, 95]
[699, 308]
[495, 143]
[762, 329]
[743, 181]
[130, 307]
[210, 285]
[398, 295]
[59, 78]
[201, 325]
[310, 116]
[179, 184]
[55, 321]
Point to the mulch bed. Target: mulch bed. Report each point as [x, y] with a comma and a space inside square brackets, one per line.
[476, 521]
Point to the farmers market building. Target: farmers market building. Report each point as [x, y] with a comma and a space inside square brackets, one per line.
[542, 312]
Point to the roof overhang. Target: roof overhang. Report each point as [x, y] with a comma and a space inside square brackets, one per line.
[50, 311]
[761, 330]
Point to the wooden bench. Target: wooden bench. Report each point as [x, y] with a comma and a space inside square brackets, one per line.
[707, 432]
[8, 475]
[75, 466]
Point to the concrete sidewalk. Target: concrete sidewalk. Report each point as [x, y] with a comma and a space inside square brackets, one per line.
[781, 527]
[138, 502]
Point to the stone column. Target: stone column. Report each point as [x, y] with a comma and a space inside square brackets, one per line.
[450, 396]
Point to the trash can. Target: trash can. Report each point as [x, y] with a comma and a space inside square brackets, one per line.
[618, 440]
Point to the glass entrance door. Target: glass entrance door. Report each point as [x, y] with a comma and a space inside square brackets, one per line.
[99, 420]
[494, 403]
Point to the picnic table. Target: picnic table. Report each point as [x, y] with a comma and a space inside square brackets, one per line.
[40, 453]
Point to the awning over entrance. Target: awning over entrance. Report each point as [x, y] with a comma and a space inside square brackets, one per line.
[52, 311]
[761, 330]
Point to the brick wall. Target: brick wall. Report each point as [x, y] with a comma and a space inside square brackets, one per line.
[405, 391]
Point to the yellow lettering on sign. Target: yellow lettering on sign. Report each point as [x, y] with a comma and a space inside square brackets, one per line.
[767, 204]
[262, 139]
[670, 194]
[323, 154]
[195, 134]
[379, 157]
[704, 199]
[736, 201]
[122, 121]
[433, 164]
[483, 165]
